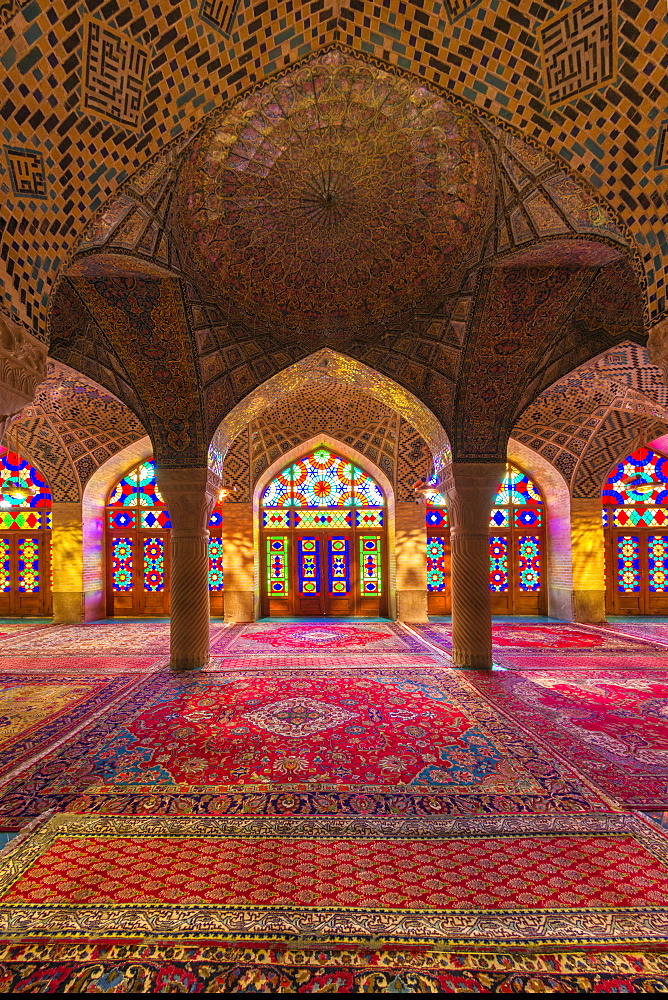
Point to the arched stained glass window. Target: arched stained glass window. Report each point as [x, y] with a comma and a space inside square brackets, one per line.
[138, 524]
[25, 538]
[21, 484]
[635, 514]
[322, 479]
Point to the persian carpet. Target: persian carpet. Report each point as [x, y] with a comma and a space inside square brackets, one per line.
[543, 638]
[613, 726]
[654, 631]
[96, 665]
[175, 967]
[35, 713]
[594, 879]
[298, 638]
[613, 662]
[304, 662]
[133, 638]
[374, 740]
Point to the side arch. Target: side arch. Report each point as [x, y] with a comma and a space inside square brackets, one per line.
[365, 463]
[95, 496]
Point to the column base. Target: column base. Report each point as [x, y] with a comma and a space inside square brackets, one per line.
[471, 661]
[412, 607]
[589, 607]
[68, 607]
[182, 666]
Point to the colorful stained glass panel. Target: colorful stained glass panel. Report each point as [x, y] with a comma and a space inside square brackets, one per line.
[16, 473]
[529, 563]
[308, 567]
[28, 565]
[628, 564]
[22, 520]
[527, 517]
[657, 563]
[437, 517]
[517, 489]
[277, 566]
[5, 566]
[322, 480]
[341, 518]
[641, 478]
[338, 566]
[499, 518]
[153, 520]
[374, 518]
[498, 564]
[121, 520]
[631, 517]
[216, 519]
[435, 564]
[122, 569]
[275, 518]
[370, 568]
[216, 578]
[154, 564]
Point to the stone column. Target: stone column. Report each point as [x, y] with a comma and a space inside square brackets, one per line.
[471, 488]
[190, 495]
[239, 562]
[588, 553]
[411, 555]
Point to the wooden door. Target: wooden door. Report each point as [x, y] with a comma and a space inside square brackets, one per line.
[25, 574]
[637, 572]
[138, 574]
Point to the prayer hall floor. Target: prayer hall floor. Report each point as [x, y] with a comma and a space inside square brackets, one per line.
[330, 806]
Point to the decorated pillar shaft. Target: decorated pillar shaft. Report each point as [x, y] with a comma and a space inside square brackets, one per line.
[471, 489]
[190, 495]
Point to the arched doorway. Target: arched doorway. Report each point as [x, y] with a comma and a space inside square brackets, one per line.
[25, 539]
[323, 540]
[517, 578]
[635, 518]
[138, 550]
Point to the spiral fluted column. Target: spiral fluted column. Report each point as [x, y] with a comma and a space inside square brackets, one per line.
[190, 495]
[470, 489]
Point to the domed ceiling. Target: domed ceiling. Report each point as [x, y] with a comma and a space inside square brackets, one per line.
[334, 201]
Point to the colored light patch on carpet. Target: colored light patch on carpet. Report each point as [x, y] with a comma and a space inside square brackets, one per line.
[176, 967]
[646, 630]
[540, 638]
[603, 878]
[613, 728]
[75, 640]
[613, 663]
[362, 741]
[33, 714]
[310, 637]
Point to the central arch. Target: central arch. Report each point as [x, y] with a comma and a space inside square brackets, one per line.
[352, 601]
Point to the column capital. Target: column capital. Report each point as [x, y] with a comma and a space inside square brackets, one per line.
[470, 488]
[190, 495]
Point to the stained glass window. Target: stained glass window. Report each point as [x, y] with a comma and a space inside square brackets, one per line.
[138, 489]
[121, 565]
[370, 568]
[657, 563]
[28, 553]
[529, 562]
[31, 490]
[498, 564]
[628, 564]
[338, 566]
[277, 566]
[308, 566]
[641, 479]
[435, 564]
[320, 480]
[215, 563]
[154, 564]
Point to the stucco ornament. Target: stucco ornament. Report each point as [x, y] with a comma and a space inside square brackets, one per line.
[334, 200]
[22, 368]
[657, 347]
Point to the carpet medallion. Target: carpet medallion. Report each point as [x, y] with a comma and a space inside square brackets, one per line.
[372, 740]
[306, 637]
[592, 879]
[614, 727]
[543, 639]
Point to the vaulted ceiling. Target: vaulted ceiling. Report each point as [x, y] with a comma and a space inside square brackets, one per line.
[466, 198]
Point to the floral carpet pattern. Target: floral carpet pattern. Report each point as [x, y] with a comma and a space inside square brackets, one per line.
[652, 631]
[338, 784]
[260, 638]
[613, 726]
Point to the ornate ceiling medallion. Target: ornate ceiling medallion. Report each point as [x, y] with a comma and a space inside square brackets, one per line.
[334, 201]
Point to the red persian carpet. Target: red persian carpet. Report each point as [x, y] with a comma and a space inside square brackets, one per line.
[191, 967]
[375, 740]
[541, 638]
[613, 728]
[261, 638]
[589, 879]
[613, 663]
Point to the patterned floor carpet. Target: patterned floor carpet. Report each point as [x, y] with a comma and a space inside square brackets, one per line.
[330, 807]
